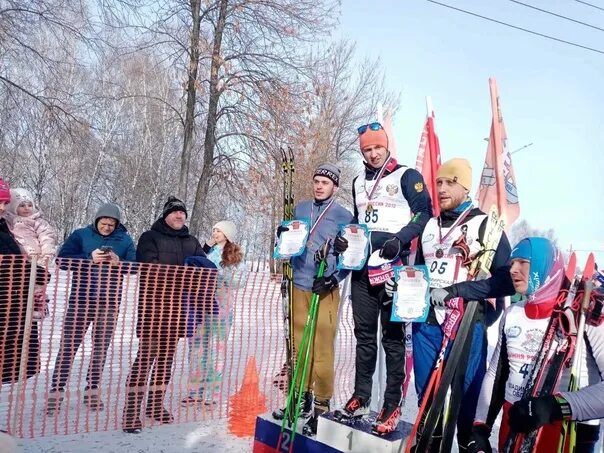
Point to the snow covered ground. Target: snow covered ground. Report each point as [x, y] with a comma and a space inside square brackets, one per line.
[256, 331]
[207, 437]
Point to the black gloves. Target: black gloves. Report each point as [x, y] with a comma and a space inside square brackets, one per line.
[281, 229]
[440, 296]
[340, 245]
[391, 249]
[531, 413]
[321, 285]
[479, 440]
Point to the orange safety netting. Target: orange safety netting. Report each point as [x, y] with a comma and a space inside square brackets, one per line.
[87, 347]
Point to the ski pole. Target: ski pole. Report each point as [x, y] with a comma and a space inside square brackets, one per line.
[575, 371]
[302, 360]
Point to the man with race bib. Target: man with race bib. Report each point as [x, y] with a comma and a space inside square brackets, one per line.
[448, 245]
[393, 203]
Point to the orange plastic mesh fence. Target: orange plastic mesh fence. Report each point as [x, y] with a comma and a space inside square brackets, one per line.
[107, 345]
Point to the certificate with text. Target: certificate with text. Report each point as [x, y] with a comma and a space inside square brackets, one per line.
[411, 301]
[355, 256]
[292, 242]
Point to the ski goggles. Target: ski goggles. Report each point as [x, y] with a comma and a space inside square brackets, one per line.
[373, 126]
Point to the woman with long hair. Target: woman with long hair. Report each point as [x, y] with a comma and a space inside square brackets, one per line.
[206, 346]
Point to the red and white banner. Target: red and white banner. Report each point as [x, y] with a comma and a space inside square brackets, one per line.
[428, 157]
[497, 182]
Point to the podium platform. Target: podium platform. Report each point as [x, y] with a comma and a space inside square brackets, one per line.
[332, 436]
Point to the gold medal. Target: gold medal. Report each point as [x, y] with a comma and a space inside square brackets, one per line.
[439, 253]
[369, 207]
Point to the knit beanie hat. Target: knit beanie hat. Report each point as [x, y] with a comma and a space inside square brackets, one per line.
[457, 170]
[373, 138]
[546, 270]
[228, 228]
[172, 205]
[4, 191]
[109, 210]
[329, 171]
[18, 196]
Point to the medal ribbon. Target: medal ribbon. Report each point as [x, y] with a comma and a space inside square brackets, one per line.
[319, 219]
[460, 219]
[377, 180]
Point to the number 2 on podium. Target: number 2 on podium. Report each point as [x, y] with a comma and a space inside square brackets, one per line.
[285, 442]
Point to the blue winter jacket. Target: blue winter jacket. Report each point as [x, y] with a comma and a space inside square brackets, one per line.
[96, 283]
[305, 267]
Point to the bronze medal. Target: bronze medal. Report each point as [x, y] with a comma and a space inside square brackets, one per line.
[439, 253]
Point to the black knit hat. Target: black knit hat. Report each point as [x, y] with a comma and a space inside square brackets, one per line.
[174, 204]
[329, 171]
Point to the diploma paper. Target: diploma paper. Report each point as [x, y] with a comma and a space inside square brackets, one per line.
[411, 301]
[358, 245]
[292, 242]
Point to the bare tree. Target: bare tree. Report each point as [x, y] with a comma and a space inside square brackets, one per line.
[523, 229]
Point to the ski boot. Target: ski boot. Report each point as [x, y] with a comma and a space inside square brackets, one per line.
[305, 407]
[356, 407]
[387, 420]
[310, 428]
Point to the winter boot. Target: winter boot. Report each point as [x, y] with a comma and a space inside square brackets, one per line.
[55, 399]
[310, 429]
[155, 408]
[92, 399]
[356, 407]
[387, 420]
[131, 422]
[305, 407]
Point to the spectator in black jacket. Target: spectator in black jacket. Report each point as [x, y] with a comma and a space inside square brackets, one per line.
[161, 317]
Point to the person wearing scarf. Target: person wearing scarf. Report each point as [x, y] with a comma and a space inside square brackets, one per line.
[448, 245]
[538, 273]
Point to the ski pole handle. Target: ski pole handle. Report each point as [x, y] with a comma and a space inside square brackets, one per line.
[589, 286]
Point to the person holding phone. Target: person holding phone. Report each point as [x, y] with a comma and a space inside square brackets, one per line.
[93, 255]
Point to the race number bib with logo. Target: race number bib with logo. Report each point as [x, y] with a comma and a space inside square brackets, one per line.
[387, 210]
[444, 259]
[523, 338]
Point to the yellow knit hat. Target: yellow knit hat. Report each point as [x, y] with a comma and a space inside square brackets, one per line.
[458, 170]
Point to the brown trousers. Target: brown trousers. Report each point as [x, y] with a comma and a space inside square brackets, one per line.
[320, 372]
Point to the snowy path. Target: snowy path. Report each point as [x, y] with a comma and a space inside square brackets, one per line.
[207, 437]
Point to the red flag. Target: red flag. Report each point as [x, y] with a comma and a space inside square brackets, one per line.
[497, 182]
[428, 158]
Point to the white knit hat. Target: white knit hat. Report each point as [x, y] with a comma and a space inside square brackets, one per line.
[18, 196]
[228, 228]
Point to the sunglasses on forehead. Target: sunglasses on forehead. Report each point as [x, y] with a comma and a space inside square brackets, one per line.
[373, 126]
